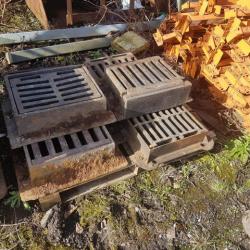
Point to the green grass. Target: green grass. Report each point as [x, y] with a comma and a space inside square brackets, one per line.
[93, 209]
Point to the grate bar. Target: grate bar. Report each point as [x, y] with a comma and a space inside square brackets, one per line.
[99, 134]
[63, 143]
[36, 150]
[50, 147]
[87, 136]
[76, 140]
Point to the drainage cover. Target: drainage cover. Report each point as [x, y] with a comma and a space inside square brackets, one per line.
[98, 66]
[50, 98]
[146, 86]
[56, 154]
[168, 135]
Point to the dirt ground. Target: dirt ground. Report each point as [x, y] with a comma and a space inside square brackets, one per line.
[191, 204]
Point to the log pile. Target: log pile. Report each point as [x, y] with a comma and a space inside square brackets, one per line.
[211, 38]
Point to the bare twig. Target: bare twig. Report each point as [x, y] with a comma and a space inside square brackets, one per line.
[10, 225]
[3, 5]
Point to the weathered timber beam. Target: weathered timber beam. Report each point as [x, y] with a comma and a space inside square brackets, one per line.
[54, 50]
[82, 32]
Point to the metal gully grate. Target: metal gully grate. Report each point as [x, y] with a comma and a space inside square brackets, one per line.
[54, 101]
[145, 86]
[167, 135]
[98, 66]
[43, 153]
[43, 89]
[167, 126]
[142, 73]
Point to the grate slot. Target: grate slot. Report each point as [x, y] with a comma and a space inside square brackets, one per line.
[69, 76]
[57, 145]
[136, 74]
[142, 78]
[161, 70]
[93, 135]
[72, 86]
[125, 79]
[30, 152]
[152, 71]
[81, 138]
[76, 90]
[30, 77]
[144, 136]
[171, 72]
[130, 77]
[145, 71]
[69, 141]
[32, 99]
[124, 86]
[43, 148]
[36, 94]
[77, 96]
[157, 72]
[104, 132]
[31, 83]
[31, 91]
[33, 87]
[40, 104]
[65, 72]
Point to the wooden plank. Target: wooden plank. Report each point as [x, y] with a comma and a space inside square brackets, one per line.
[37, 7]
[81, 32]
[69, 16]
[54, 50]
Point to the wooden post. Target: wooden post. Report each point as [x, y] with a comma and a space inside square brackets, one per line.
[69, 17]
[132, 4]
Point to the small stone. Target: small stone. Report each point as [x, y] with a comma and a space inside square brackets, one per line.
[246, 222]
[79, 229]
[171, 233]
[46, 218]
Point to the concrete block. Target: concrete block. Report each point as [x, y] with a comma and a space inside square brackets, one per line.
[130, 42]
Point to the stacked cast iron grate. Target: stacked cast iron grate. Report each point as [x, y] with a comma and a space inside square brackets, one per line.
[59, 116]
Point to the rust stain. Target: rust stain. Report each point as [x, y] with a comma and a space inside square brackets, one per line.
[76, 122]
[74, 173]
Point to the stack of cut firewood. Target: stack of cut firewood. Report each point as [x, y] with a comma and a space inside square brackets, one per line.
[211, 38]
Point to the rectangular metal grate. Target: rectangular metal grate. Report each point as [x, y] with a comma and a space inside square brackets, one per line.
[38, 90]
[98, 66]
[147, 85]
[55, 99]
[168, 132]
[167, 126]
[52, 151]
[142, 73]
